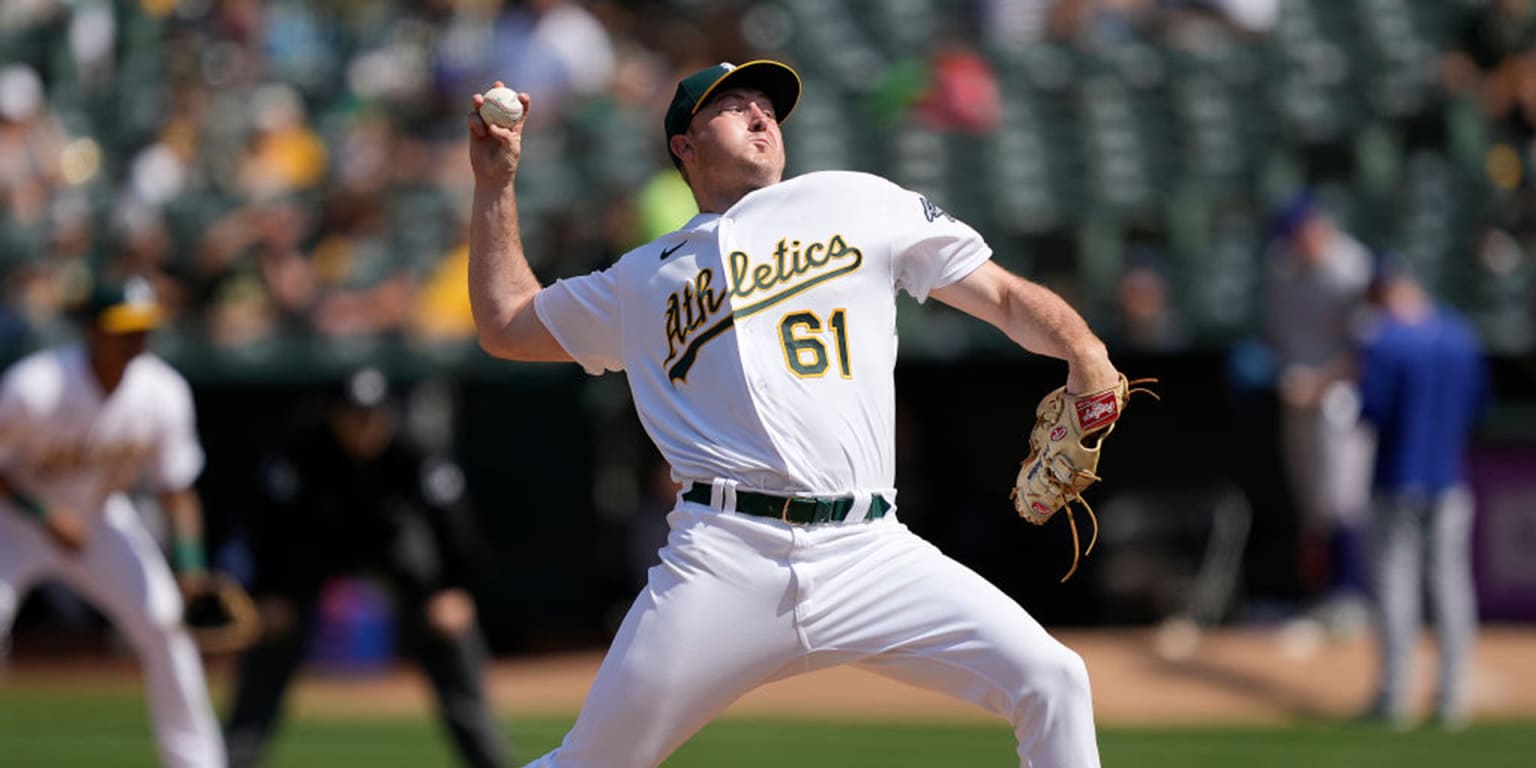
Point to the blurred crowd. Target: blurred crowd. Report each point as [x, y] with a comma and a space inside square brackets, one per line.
[294, 169]
[286, 169]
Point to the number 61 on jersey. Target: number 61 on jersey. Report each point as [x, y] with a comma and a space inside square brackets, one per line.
[802, 337]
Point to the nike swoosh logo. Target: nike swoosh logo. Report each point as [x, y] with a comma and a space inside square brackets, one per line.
[670, 251]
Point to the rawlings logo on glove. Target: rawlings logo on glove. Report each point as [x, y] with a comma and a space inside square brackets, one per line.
[1064, 453]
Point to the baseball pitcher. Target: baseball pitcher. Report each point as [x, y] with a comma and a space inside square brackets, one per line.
[759, 342]
[80, 426]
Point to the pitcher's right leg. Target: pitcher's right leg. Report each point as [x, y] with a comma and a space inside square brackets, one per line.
[708, 627]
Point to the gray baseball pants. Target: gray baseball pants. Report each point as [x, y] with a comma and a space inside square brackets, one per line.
[1421, 540]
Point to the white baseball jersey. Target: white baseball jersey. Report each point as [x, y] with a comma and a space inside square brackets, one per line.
[760, 343]
[68, 445]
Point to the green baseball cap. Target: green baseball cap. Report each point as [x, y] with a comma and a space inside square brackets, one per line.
[780, 82]
[124, 307]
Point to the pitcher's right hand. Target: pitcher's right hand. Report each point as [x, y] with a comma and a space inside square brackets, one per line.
[494, 151]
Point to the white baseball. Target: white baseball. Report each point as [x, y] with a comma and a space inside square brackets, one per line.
[501, 107]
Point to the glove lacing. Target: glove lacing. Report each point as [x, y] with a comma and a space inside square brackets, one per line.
[1078, 553]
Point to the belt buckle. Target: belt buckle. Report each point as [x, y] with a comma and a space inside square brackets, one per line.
[784, 510]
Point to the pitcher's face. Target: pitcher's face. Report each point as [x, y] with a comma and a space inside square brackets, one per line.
[734, 142]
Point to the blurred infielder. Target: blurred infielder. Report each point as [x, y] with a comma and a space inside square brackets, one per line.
[81, 425]
[759, 341]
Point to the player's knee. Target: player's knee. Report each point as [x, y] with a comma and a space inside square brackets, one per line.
[1060, 675]
[1073, 675]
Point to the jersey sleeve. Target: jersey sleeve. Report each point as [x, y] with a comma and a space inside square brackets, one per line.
[179, 457]
[584, 315]
[930, 248]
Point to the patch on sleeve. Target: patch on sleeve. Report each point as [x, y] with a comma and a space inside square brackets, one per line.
[932, 212]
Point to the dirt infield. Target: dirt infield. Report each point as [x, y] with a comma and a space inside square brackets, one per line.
[1237, 676]
[1140, 677]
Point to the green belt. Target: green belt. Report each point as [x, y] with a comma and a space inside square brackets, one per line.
[794, 509]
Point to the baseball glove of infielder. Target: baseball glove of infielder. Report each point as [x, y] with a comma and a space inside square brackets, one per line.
[1064, 454]
[220, 616]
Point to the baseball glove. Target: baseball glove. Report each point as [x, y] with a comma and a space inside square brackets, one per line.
[221, 617]
[1064, 454]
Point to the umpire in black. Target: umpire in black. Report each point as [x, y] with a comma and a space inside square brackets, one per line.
[351, 495]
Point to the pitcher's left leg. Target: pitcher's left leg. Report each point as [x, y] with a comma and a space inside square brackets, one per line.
[929, 621]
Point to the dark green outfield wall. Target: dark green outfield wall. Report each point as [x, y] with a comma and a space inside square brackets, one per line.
[554, 462]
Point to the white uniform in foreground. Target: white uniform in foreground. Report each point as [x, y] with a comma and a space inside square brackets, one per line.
[760, 346]
[66, 445]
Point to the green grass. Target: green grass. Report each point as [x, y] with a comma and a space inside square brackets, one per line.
[50, 729]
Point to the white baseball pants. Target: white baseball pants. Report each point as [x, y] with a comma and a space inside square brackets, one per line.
[123, 573]
[740, 601]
